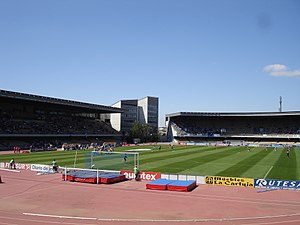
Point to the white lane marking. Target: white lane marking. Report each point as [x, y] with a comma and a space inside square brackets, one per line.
[158, 220]
[60, 216]
[280, 222]
[16, 171]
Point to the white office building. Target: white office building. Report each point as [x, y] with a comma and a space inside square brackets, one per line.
[144, 111]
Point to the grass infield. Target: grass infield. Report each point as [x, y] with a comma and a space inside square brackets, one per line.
[194, 160]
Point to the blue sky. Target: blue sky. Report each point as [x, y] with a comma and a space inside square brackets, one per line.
[195, 55]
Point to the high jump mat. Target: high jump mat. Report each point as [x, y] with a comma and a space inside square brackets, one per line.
[111, 178]
[171, 185]
[159, 184]
[181, 185]
[91, 177]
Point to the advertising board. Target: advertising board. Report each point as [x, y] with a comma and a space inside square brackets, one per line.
[277, 184]
[142, 175]
[230, 181]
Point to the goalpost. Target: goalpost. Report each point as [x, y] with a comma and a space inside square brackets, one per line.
[111, 160]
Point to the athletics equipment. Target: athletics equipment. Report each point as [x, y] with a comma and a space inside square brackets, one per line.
[172, 185]
[92, 176]
[115, 161]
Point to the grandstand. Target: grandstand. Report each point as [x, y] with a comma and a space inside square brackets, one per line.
[38, 122]
[241, 128]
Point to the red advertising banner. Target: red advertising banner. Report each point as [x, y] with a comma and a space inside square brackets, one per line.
[143, 175]
[19, 166]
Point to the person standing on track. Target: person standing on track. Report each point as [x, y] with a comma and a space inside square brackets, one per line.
[54, 166]
[12, 164]
[136, 173]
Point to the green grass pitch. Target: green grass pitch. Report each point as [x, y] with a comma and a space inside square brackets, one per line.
[193, 160]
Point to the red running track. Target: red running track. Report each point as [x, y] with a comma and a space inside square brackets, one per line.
[27, 198]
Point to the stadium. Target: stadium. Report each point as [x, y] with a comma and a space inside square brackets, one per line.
[216, 168]
[42, 123]
[259, 128]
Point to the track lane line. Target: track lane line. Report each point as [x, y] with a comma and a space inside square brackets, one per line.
[60, 216]
[165, 220]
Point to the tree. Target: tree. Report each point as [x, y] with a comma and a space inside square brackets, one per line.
[136, 130]
[144, 132]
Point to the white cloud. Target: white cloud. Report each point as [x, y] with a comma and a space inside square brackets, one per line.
[281, 70]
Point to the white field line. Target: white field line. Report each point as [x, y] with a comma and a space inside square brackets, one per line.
[268, 172]
[157, 220]
[16, 171]
[139, 150]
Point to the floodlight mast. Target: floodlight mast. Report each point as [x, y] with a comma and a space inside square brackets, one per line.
[280, 104]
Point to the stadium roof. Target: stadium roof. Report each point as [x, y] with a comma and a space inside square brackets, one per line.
[57, 101]
[237, 114]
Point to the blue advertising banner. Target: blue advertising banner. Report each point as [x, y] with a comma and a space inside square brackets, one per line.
[277, 184]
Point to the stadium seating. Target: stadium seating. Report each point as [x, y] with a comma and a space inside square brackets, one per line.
[52, 131]
[197, 126]
[55, 125]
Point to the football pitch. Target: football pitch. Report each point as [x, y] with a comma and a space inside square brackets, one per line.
[192, 160]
